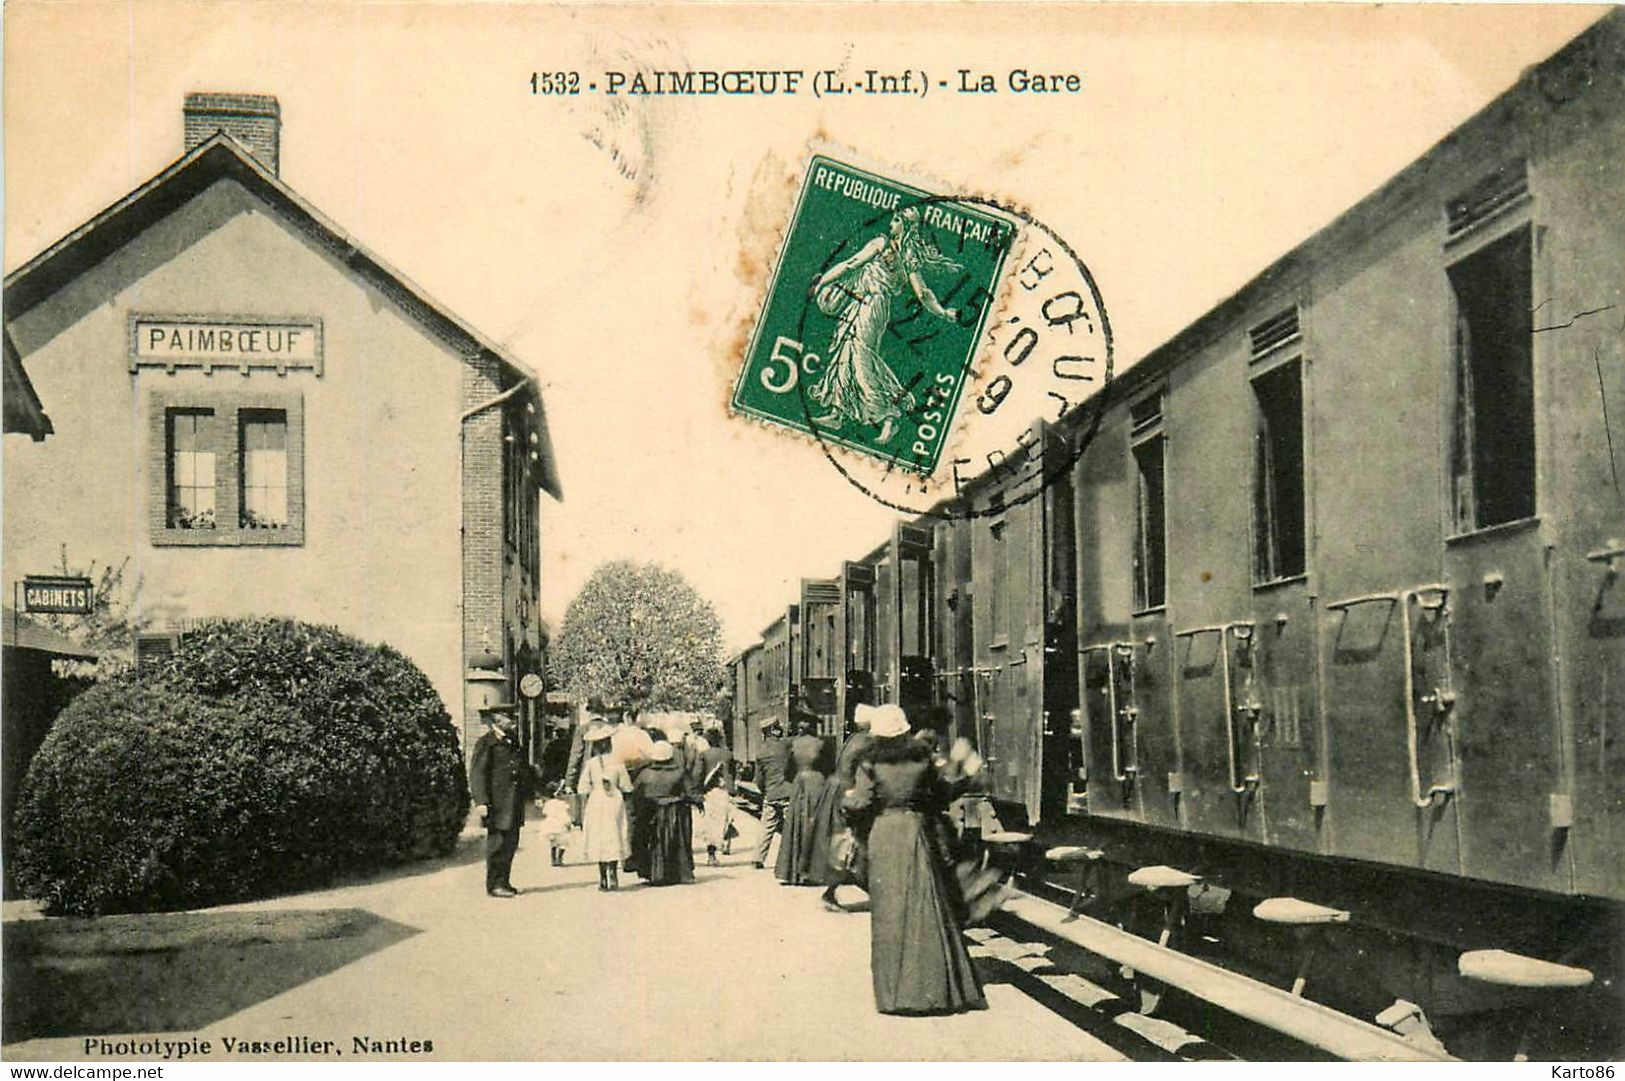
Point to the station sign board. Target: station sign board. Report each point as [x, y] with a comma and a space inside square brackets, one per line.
[58, 595]
[246, 343]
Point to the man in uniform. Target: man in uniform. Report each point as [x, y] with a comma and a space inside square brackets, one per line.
[498, 777]
[773, 775]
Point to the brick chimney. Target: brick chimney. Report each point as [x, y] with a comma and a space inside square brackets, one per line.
[255, 120]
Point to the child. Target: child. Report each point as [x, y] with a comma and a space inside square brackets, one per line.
[556, 825]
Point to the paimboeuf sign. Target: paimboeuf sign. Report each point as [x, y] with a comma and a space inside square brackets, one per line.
[66, 596]
[205, 342]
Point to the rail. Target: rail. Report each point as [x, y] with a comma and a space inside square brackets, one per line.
[1308, 1022]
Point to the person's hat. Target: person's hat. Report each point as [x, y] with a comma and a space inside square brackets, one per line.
[888, 721]
[864, 715]
[662, 752]
[769, 721]
[595, 731]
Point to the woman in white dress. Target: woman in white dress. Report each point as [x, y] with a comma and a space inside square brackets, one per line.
[603, 820]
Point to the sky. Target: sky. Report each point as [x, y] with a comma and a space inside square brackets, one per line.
[620, 247]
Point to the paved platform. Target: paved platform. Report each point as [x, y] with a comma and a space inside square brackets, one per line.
[733, 967]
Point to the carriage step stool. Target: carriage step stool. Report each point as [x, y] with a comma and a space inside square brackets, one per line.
[1306, 920]
[1010, 846]
[1517, 973]
[1067, 857]
[1170, 888]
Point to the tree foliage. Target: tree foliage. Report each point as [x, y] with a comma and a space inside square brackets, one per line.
[265, 755]
[638, 635]
[110, 627]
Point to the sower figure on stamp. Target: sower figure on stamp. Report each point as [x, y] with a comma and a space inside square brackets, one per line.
[773, 774]
[499, 778]
[859, 386]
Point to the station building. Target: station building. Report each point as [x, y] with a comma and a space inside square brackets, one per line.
[267, 419]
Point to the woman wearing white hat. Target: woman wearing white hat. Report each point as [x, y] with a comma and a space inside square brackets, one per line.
[917, 953]
[605, 782]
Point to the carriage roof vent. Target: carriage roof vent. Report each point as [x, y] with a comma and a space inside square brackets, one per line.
[1274, 332]
[1492, 196]
[1146, 414]
[821, 592]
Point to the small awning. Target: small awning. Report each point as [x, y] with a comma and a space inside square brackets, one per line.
[24, 633]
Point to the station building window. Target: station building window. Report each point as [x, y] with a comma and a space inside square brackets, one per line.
[226, 469]
[262, 441]
[190, 455]
[1493, 450]
[1278, 474]
[1148, 446]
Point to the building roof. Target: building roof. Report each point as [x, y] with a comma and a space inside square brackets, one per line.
[20, 632]
[23, 410]
[220, 157]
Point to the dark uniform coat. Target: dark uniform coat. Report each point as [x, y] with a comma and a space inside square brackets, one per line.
[499, 779]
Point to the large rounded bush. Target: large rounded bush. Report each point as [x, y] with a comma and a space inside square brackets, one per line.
[265, 755]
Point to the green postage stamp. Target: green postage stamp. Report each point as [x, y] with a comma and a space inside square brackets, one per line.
[873, 314]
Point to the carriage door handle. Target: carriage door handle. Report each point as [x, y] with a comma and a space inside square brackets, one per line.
[1128, 712]
[1430, 598]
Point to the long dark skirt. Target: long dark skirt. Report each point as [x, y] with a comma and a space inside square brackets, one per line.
[917, 951]
[831, 824]
[803, 860]
[669, 856]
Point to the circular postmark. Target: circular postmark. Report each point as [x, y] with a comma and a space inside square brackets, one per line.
[915, 431]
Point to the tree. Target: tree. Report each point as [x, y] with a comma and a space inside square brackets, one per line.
[639, 636]
[110, 627]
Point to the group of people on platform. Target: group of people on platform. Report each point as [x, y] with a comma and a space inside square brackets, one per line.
[874, 817]
[638, 792]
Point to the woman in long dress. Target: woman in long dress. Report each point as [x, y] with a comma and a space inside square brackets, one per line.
[665, 809]
[803, 859]
[715, 780]
[605, 835]
[858, 386]
[917, 952]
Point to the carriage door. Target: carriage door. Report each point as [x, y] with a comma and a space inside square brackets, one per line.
[1219, 710]
[1392, 724]
[1109, 725]
[915, 582]
[953, 646]
[820, 649]
[858, 619]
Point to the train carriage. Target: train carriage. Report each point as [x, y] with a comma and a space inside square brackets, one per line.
[1360, 616]
[1322, 603]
